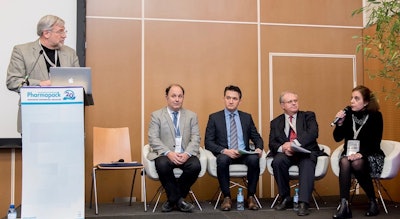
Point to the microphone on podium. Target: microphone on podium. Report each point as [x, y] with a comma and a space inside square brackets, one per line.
[26, 79]
[335, 121]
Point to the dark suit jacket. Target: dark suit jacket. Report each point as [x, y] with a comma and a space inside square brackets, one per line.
[216, 136]
[307, 133]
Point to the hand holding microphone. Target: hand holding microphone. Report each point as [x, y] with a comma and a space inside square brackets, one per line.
[340, 115]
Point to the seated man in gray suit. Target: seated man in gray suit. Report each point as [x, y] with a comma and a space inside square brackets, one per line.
[175, 140]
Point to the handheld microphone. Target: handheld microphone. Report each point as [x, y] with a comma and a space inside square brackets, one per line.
[26, 79]
[335, 121]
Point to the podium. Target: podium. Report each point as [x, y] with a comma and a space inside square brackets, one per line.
[53, 153]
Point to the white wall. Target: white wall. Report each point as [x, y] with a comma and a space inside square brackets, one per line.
[18, 20]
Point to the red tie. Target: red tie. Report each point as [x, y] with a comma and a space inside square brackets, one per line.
[292, 134]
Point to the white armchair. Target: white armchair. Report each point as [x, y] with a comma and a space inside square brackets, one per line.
[390, 168]
[320, 171]
[151, 172]
[235, 171]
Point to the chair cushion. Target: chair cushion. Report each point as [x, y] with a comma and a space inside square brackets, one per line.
[120, 164]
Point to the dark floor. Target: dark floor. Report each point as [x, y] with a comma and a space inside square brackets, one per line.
[327, 208]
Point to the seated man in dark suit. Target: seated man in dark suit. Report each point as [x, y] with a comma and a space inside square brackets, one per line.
[294, 128]
[227, 132]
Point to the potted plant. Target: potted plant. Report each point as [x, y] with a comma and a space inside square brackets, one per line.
[380, 44]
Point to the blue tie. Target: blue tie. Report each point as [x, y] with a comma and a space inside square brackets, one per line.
[177, 131]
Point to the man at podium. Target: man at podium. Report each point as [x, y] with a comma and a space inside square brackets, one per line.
[30, 62]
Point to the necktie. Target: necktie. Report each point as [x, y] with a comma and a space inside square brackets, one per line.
[177, 131]
[233, 130]
[292, 134]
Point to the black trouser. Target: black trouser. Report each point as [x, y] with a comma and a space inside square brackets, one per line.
[177, 188]
[281, 165]
[252, 161]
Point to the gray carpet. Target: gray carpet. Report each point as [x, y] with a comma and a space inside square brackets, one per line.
[327, 208]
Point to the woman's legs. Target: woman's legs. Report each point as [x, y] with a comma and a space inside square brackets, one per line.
[345, 177]
[361, 172]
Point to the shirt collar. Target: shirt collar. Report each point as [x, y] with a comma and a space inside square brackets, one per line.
[227, 112]
[171, 111]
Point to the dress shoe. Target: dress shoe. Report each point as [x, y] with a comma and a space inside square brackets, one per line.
[226, 204]
[167, 207]
[252, 204]
[303, 209]
[184, 206]
[285, 203]
[344, 210]
[373, 209]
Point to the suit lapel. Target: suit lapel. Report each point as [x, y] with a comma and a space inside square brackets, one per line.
[182, 122]
[299, 123]
[41, 62]
[223, 122]
[170, 123]
[282, 123]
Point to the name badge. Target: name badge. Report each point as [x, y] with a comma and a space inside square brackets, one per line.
[178, 144]
[353, 147]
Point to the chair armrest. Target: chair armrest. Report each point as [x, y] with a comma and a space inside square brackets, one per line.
[203, 161]
[149, 165]
[211, 163]
[392, 160]
[263, 162]
[321, 167]
[335, 159]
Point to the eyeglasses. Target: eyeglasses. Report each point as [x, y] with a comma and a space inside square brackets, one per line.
[291, 101]
[61, 32]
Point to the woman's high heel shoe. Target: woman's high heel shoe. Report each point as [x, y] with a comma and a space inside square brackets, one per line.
[373, 208]
[344, 211]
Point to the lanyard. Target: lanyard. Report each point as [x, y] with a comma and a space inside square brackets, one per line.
[356, 132]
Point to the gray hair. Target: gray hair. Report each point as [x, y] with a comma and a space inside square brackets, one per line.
[284, 93]
[47, 22]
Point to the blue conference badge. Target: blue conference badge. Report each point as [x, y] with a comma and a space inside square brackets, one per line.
[69, 95]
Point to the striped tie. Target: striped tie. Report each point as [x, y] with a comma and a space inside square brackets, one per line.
[292, 134]
[234, 137]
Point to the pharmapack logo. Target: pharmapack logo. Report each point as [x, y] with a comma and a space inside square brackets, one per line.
[69, 95]
[43, 95]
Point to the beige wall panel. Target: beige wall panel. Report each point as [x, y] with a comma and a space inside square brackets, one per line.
[113, 52]
[315, 12]
[225, 10]
[112, 8]
[203, 58]
[309, 40]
